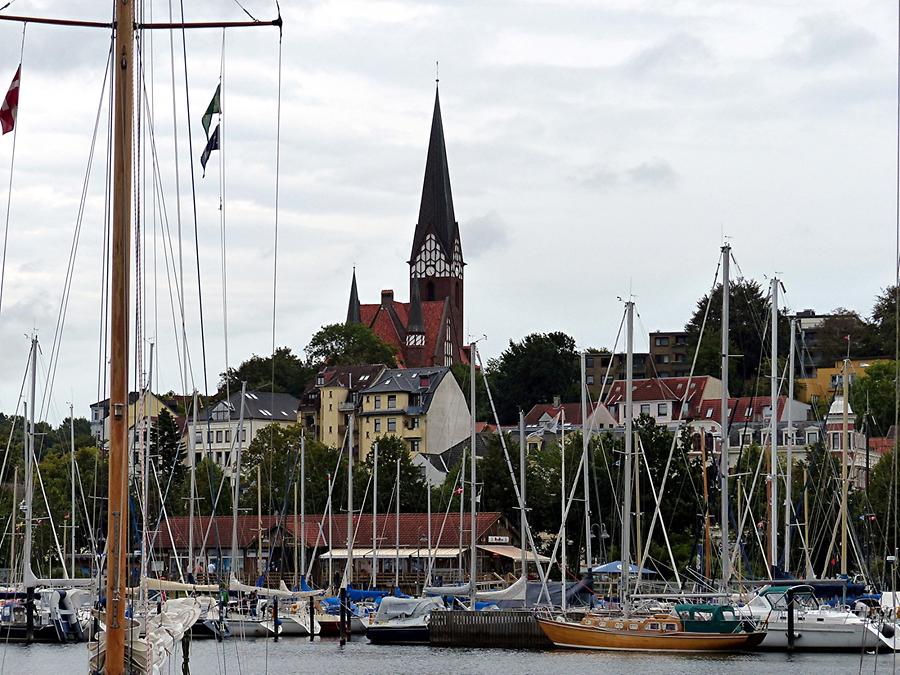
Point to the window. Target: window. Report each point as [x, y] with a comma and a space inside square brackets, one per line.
[662, 358]
[748, 413]
[590, 379]
[367, 434]
[681, 339]
[662, 409]
[198, 437]
[330, 393]
[320, 380]
[330, 429]
[835, 439]
[811, 437]
[392, 401]
[709, 412]
[377, 403]
[228, 435]
[243, 435]
[377, 425]
[392, 424]
[209, 437]
[588, 361]
[329, 407]
[414, 445]
[645, 408]
[661, 342]
[414, 423]
[219, 436]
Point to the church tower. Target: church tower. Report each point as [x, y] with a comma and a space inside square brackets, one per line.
[436, 262]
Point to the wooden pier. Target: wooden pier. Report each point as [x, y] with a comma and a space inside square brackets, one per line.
[507, 629]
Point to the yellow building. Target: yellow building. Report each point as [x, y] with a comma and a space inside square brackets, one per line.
[829, 381]
[424, 407]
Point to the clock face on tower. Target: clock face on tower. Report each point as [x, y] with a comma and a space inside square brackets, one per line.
[431, 261]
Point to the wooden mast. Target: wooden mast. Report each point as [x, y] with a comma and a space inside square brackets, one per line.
[117, 518]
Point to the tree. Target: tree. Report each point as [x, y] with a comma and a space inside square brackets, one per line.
[413, 489]
[748, 334]
[875, 392]
[349, 344]
[831, 337]
[167, 455]
[275, 450]
[541, 366]
[884, 320]
[461, 372]
[291, 375]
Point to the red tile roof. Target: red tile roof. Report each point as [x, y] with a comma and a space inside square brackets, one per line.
[743, 410]
[572, 412]
[379, 319]
[689, 389]
[413, 530]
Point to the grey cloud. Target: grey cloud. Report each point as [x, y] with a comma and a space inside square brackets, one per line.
[483, 234]
[654, 173]
[675, 52]
[824, 40]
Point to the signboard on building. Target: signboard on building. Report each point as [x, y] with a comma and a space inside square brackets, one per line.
[498, 539]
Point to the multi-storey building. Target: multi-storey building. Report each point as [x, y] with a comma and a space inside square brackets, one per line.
[216, 433]
[597, 365]
[423, 406]
[669, 354]
[325, 406]
[669, 401]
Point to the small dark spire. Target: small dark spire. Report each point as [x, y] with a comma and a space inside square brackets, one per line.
[416, 324]
[353, 315]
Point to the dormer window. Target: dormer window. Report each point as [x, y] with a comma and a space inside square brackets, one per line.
[320, 380]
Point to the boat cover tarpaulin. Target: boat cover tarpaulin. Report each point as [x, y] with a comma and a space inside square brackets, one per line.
[512, 552]
[459, 590]
[236, 586]
[178, 587]
[615, 567]
[515, 591]
[578, 594]
[402, 608]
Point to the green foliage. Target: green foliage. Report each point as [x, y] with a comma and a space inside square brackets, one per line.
[541, 366]
[830, 337]
[290, 373]
[482, 406]
[875, 393]
[340, 344]
[748, 321]
[884, 321]
[413, 490]
[275, 451]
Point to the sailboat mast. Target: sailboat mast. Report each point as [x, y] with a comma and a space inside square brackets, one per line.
[117, 516]
[27, 574]
[473, 567]
[302, 504]
[72, 471]
[626, 504]
[236, 465]
[522, 448]
[845, 444]
[585, 460]
[562, 513]
[12, 539]
[397, 531]
[724, 458]
[773, 434]
[192, 497]
[374, 514]
[788, 478]
[330, 545]
[348, 576]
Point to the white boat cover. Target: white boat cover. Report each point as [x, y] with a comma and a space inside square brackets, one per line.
[461, 589]
[406, 608]
[178, 587]
[515, 591]
[237, 587]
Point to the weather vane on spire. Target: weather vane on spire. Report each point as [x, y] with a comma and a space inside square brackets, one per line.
[437, 72]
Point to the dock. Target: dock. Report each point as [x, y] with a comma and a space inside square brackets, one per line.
[506, 629]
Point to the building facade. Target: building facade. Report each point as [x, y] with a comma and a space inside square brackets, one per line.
[669, 354]
[427, 330]
[424, 407]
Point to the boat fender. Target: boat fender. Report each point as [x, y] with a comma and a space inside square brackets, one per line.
[887, 630]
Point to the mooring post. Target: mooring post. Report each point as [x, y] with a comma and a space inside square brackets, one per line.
[342, 621]
[29, 614]
[790, 619]
[275, 616]
[312, 619]
[186, 654]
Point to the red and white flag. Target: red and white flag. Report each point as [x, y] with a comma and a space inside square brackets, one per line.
[10, 107]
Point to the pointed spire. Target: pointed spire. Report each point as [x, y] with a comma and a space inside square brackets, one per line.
[436, 208]
[353, 306]
[415, 324]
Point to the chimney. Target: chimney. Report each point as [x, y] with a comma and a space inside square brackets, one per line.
[556, 401]
[387, 298]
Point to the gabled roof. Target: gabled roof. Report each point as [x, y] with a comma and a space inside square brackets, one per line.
[742, 410]
[354, 378]
[408, 380]
[537, 412]
[436, 208]
[674, 389]
[260, 405]
[391, 326]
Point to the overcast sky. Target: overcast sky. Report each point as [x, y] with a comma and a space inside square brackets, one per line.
[595, 148]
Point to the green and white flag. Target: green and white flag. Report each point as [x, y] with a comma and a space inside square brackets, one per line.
[214, 108]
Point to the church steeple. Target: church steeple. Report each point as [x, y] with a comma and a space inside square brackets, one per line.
[353, 315]
[436, 215]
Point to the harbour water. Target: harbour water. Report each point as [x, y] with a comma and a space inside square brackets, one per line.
[295, 657]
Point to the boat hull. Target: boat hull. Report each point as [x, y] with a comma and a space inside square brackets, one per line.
[821, 637]
[398, 635]
[577, 636]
